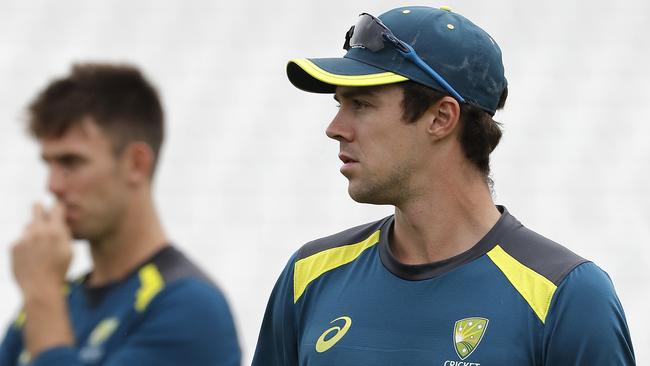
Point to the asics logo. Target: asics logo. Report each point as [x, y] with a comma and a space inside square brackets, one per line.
[324, 344]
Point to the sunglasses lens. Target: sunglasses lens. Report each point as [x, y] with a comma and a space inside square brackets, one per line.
[371, 34]
[368, 33]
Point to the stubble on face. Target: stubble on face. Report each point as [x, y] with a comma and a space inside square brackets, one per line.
[389, 189]
[382, 142]
[90, 187]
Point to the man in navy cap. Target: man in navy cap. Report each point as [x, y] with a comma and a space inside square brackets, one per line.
[450, 279]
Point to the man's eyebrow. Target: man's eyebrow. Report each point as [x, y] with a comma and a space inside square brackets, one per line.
[58, 157]
[355, 92]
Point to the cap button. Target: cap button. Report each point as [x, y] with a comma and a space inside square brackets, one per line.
[446, 8]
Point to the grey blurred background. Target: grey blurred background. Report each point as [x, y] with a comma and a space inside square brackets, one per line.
[248, 175]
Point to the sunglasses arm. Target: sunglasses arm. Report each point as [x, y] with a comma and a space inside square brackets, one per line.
[412, 56]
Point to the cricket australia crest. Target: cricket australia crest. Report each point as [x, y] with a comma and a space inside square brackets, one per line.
[468, 333]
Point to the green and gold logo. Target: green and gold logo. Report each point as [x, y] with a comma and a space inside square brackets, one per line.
[103, 331]
[468, 333]
[94, 349]
[323, 344]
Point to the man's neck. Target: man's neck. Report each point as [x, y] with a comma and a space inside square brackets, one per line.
[444, 222]
[138, 237]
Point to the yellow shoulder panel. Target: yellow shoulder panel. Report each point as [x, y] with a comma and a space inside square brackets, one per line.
[151, 282]
[20, 319]
[536, 289]
[308, 269]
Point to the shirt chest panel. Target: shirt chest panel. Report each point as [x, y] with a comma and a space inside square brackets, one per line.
[101, 327]
[368, 316]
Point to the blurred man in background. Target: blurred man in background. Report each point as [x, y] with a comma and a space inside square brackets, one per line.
[100, 130]
[450, 279]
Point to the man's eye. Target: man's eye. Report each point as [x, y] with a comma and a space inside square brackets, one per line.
[359, 104]
[70, 161]
[353, 104]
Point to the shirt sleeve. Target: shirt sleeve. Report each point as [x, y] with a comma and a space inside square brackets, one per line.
[11, 347]
[277, 344]
[188, 324]
[586, 324]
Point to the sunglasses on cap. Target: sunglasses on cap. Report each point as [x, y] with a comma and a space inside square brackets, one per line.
[371, 34]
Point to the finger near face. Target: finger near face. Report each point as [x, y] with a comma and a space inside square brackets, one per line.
[58, 212]
[30, 231]
[38, 212]
[40, 232]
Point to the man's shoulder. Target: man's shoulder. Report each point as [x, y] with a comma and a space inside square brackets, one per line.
[539, 253]
[173, 265]
[177, 302]
[351, 236]
[169, 276]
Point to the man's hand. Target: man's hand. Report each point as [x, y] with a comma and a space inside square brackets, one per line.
[40, 261]
[41, 257]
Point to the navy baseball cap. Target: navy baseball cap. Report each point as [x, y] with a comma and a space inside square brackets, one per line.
[460, 52]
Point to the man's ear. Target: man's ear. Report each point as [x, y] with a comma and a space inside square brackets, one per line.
[139, 162]
[443, 118]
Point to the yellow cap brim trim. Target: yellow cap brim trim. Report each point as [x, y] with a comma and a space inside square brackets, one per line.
[319, 74]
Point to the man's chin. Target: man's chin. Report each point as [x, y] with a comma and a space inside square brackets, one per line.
[365, 196]
[76, 232]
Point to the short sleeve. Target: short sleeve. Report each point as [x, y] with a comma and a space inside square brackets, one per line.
[277, 344]
[586, 324]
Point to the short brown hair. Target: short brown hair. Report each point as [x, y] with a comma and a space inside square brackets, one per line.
[118, 98]
[479, 134]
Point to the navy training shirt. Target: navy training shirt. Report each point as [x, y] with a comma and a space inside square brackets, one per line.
[166, 313]
[515, 298]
